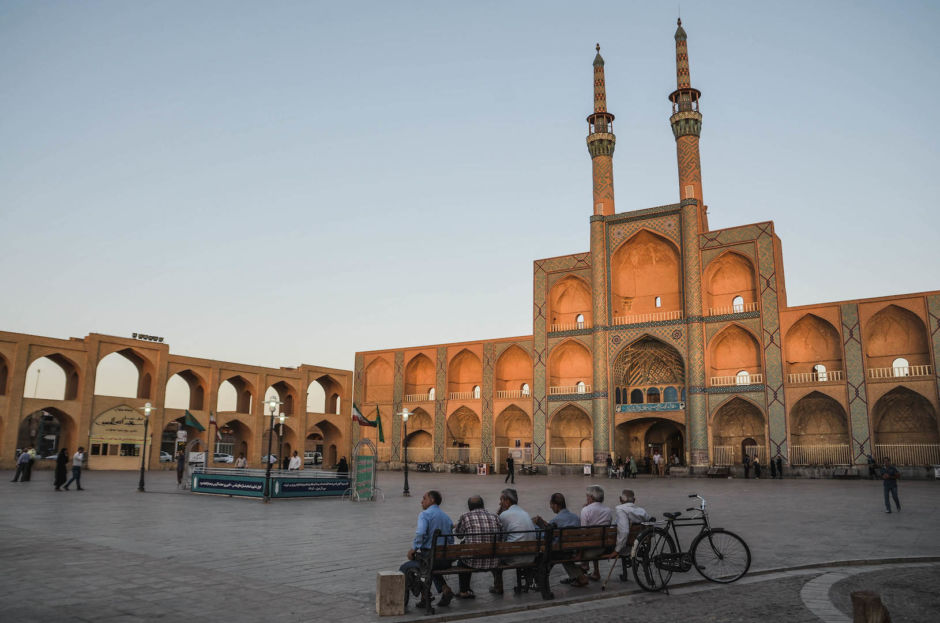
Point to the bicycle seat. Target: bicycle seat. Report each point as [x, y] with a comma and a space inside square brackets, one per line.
[671, 515]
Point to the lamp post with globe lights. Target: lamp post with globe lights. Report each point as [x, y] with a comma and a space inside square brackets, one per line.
[273, 404]
[404, 418]
[148, 409]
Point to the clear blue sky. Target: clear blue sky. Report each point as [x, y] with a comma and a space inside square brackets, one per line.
[285, 182]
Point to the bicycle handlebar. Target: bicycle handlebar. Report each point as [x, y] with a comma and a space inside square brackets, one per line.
[693, 495]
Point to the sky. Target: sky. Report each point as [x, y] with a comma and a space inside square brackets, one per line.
[281, 183]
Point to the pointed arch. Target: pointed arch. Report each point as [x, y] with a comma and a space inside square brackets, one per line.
[512, 425]
[817, 420]
[47, 430]
[235, 394]
[419, 375]
[186, 390]
[286, 393]
[735, 423]
[569, 299]
[113, 377]
[727, 277]
[733, 350]
[895, 332]
[379, 381]
[810, 342]
[644, 267]
[332, 441]
[513, 371]
[65, 384]
[4, 374]
[571, 435]
[569, 363]
[464, 372]
[904, 416]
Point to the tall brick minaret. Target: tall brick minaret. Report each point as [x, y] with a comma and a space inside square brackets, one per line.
[600, 142]
[686, 123]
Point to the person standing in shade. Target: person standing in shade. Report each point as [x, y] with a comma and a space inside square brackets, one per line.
[746, 461]
[889, 476]
[510, 470]
[61, 469]
[773, 469]
[294, 462]
[779, 467]
[872, 467]
[241, 462]
[756, 466]
[343, 466]
[77, 460]
[21, 461]
[633, 469]
[180, 467]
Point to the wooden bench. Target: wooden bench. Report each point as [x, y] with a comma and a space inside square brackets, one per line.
[548, 547]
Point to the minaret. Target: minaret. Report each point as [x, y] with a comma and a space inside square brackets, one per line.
[686, 123]
[600, 142]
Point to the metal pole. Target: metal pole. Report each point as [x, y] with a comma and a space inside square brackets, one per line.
[280, 443]
[143, 456]
[267, 471]
[406, 493]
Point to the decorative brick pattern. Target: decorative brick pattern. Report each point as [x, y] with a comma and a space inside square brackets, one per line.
[855, 382]
[666, 226]
[933, 317]
[577, 397]
[772, 342]
[725, 237]
[398, 394]
[489, 368]
[358, 372]
[752, 325]
[733, 318]
[440, 394]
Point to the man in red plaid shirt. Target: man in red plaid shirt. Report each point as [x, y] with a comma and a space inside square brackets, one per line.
[471, 527]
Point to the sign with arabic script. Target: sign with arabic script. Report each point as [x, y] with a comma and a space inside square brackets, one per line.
[122, 424]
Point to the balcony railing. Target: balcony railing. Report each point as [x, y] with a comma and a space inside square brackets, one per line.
[829, 376]
[638, 318]
[462, 396]
[569, 389]
[909, 453]
[516, 393]
[418, 398]
[570, 326]
[727, 381]
[420, 455]
[725, 456]
[900, 372]
[571, 456]
[462, 455]
[824, 454]
[734, 309]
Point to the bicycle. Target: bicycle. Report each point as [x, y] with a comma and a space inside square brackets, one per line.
[717, 554]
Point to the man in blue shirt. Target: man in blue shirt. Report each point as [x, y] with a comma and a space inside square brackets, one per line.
[564, 518]
[431, 518]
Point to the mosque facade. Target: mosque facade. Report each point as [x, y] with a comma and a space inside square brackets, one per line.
[667, 336]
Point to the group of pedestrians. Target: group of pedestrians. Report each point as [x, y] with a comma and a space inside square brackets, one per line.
[621, 469]
[477, 525]
[24, 468]
[776, 466]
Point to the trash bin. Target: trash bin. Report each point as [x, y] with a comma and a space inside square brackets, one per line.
[588, 469]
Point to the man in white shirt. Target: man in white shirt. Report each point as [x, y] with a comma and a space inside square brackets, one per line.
[595, 513]
[518, 526]
[628, 514]
[77, 460]
[658, 462]
[294, 462]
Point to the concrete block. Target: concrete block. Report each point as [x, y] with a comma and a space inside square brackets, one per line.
[390, 593]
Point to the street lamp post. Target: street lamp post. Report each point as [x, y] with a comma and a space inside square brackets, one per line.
[404, 418]
[148, 409]
[273, 404]
[280, 438]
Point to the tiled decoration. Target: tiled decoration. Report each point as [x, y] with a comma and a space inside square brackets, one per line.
[358, 372]
[488, 394]
[440, 395]
[398, 394]
[933, 317]
[855, 382]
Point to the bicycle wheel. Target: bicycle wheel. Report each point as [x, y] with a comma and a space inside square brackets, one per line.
[648, 551]
[721, 556]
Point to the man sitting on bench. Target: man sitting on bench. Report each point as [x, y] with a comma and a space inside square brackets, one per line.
[471, 525]
[517, 523]
[628, 514]
[564, 518]
[431, 518]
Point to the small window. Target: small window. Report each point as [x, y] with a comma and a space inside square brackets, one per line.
[670, 395]
[617, 394]
[580, 321]
[431, 394]
[659, 301]
[820, 371]
[743, 378]
[652, 395]
[525, 389]
[636, 397]
[901, 367]
[476, 391]
[581, 387]
[737, 305]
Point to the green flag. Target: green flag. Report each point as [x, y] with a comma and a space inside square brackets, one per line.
[192, 422]
[378, 422]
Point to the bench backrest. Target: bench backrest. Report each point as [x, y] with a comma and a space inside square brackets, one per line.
[493, 547]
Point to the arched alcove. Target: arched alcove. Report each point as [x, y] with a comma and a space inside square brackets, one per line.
[186, 390]
[47, 430]
[645, 267]
[812, 341]
[644, 364]
[903, 417]
[53, 377]
[569, 363]
[819, 432]
[732, 351]
[332, 441]
[462, 436]
[419, 376]
[235, 394]
[895, 332]
[569, 299]
[420, 436]
[571, 436]
[379, 381]
[512, 428]
[513, 372]
[324, 395]
[286, 393]
[464, 372]
[124, 373]
[4, 374]
[727, 277]
[736, 421]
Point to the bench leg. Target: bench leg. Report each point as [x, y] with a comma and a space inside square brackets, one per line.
[543, 571]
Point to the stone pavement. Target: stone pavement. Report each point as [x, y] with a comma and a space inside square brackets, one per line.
[111, 554]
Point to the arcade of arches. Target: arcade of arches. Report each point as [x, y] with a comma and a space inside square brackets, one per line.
[90, 392]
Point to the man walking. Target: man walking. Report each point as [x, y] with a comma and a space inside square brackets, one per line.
[77, 460]
[21, 462]
[510, 469]
[889, 476]
[471, 526]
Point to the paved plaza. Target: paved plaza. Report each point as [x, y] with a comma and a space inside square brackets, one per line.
[111, 554]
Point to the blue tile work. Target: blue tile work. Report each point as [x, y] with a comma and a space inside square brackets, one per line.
[357, 390]
[696, 409]
[440, 403]
[651, 407]
[732, 317]
[398, 395]
[489, 365]
[772, 342]
[577, 397]
[572, 333]
[600, 293]
[933, 318]
[855, 381]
